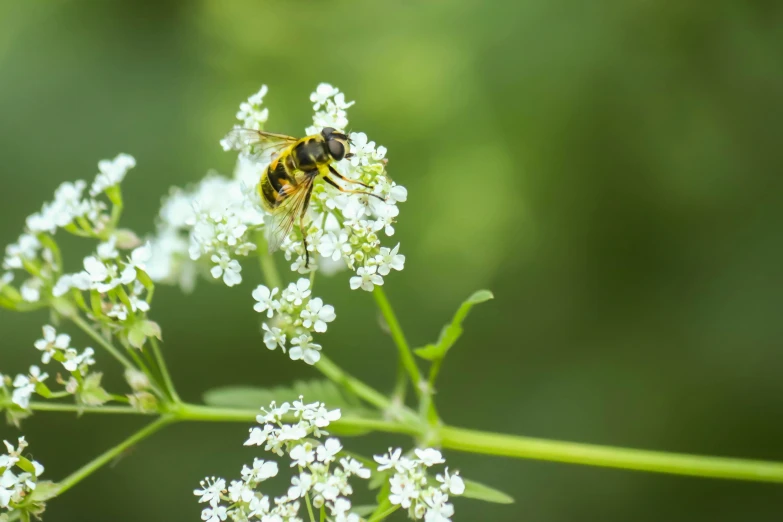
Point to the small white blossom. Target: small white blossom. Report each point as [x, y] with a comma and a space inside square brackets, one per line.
[210, 491]
[112, 172]
[16, 482]
[24, 386]
[305, 349]
[366, 279]
[316, 315]
[266, 300]
[452, 484]
[51, 343]
[229, 268]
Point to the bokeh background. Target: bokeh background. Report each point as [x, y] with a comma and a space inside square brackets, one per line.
[611, 170]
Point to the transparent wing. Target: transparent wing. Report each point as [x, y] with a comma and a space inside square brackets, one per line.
[292, 208]
[256, 144]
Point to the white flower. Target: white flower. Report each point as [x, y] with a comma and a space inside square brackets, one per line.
[302, 455]
[305, 349]
[266, 300]
[139, 256]
[24, 386]
[429, 456]
[51, 342]
[389, 259]
[31, 290]
[273, 337]
[439, 509]
[112, 172]
[300, 485]
[452, 484]
[296, 292]
[210, 491]
[214, 514]
[334, 246]
[108, 250]
[366, 279]
[354, 467]
[261, 470]
[403, 491]
[327, 452]
[390, 461]
[25, 249]
[75, 361]
[228, 268]
[316, 315]
[238, 490]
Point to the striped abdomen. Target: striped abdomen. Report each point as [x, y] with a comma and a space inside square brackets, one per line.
[306, 156]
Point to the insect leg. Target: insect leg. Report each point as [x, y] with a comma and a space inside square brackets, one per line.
[348, 191]
[334, 171]
[302, 215]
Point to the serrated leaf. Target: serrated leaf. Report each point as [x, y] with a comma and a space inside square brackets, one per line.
[478, 491]
[252, 397]
[452, 332]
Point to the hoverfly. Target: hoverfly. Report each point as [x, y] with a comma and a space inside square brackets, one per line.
[286, 185]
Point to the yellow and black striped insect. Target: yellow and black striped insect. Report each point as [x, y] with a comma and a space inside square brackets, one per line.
[287, 183]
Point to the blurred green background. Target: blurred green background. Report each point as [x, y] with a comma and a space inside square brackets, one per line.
[611, 170]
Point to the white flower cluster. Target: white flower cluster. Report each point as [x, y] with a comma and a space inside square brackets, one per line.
[411, 488]
[322, 481]
[81, 383]
[345, 230]
[211, 224]
[295, 315]
[35, 252]
[16, 487]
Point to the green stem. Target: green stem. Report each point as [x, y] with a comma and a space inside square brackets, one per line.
[376, 517]
[309, 505]
[167, 382]
[89, 330]
[195, 412]
[267, 262]
[484, 443]
[74, 408]
[611, 457]
[406, 355]
[338, 375]
[106, 457]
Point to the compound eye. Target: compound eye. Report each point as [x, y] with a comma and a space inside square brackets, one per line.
[326, 132]
[336, 149]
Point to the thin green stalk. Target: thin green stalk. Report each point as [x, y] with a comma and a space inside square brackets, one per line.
[75, 408]
[339, 376]
[484, 443]
[89, 330]
[376, 517]
[194, 412]
[167, 382]
[267, 262]
[610, 457]
[106, 457]
[307, 502]
[406, 355]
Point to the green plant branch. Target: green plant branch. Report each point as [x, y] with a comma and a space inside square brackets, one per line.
[406, 355]
[106, 457]
[472, 441]
[161, 362]
[267, 262]
[89, 330]
[486, 443]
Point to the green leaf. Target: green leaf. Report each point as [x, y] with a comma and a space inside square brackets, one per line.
[364, 511]
[44, 490]
[452, 332]
[478, 491]
[316, 390]
[91, 393]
